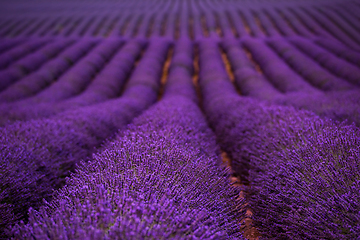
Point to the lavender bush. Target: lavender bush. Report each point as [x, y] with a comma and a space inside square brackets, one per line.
[301, 169]
[336, 30]
[13, 54]
[31, 62]
[308, 68]
[55, 145]
[336, 65]
[75, 81]
[48, 73]
[107, 84]
[247, 78]
[6, 45]
[279, 73]
[296, 23]
[160, 179]
[280, 22]
[73, 74]
[337, 105]
[340, 50]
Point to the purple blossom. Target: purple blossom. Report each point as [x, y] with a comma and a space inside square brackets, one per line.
[302, 170]
[48, 73]
[55, 145]
[334, 64]
[308, 68]
[340, 50]
[279, 73]
[31, 62]
[249, 81]
[160, 179]
[13, 54]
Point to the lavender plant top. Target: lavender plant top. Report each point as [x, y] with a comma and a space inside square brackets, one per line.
[37, 155]
[303, 171]
[74, 73]
[160, 179]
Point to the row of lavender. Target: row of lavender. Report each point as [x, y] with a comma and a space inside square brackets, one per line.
[196, 19]
[167, 163]
[159, 179]
[302, 171]
[58, 75]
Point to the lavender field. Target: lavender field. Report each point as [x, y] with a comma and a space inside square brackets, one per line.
[180, 119]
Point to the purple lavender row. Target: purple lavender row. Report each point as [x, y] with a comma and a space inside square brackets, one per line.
[37, 155]
[218, 26]
[22, 50]
[184, 28]
[267, 24]
[338, 32]
[277, 71]
[67, 26]
[132, 24]
[335, 105]
[20, 26]
[48, 73]
[112, 21]
[334, 64]
[237, 22]
[143, 29]
[116, 31]
[211, 70]
[294, 162]
[6, 45]
[170, 29]
[55, 28]
[312, 25]
[158, 20]
[247, 79]
[31, 62]
[105, 24]
[308, 68]
[349, 13]
[296, 23]
[162, 172]
[174, 16]
[181, 70]
[11, 24]
[217, 90]
[162, 175]
[110, 81]
[340, 50]
[80, 29]
[313, 168]
[347, 29]
[225, 25]
[75, 80]
[283, 201]
[210, 21]
[45, 27]
[247, 25]
[340, 106]
[90, 30]
[280, 22]
[106, 85]
[196, 21]
[31, 27]
[350, 9]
